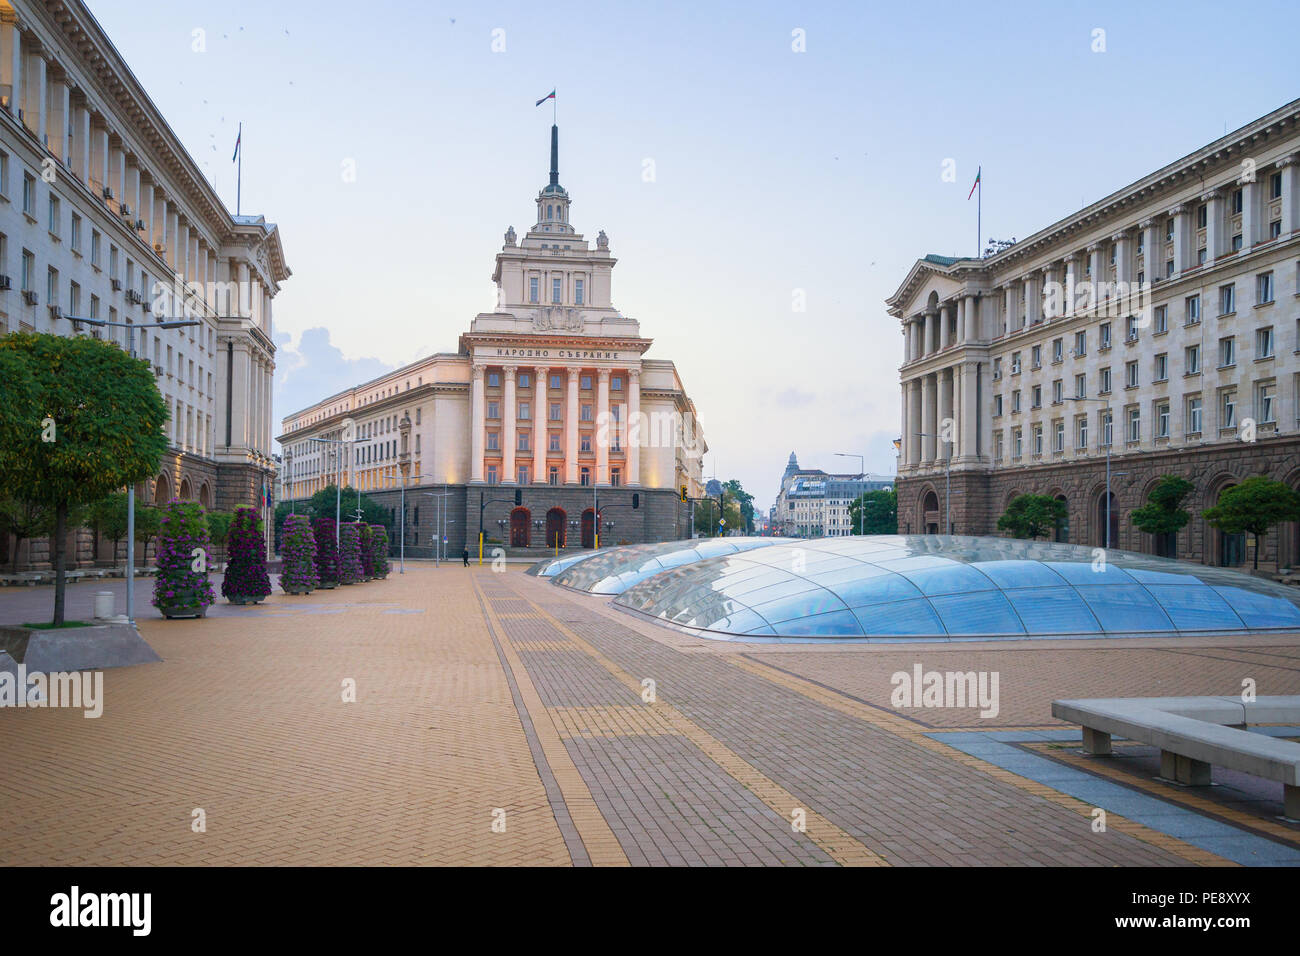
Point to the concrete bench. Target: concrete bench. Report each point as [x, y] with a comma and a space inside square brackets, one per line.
[1195, 734]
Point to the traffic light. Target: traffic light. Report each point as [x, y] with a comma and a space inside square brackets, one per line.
[636, 500]
[519, 497]
[683, 492]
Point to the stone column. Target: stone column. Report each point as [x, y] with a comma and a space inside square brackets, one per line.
[927, 419]
[1289, 167]
[1123, 258]
[1033, 302]
[931, 330]
[972, 318]
[1008, 308]
[82, 143]
[945, 314]
[914, 418]
[541, 431]
[970, 411]
[1096, 273]
[146, 211]
[571, 428]
[241, 393]
[11, 62]
[183, 258]
[1153, 255]
[1213, 225]
[634, 426]
[1249, 215]
[603, 426]
[508, 437]
[943, 449]
[905, 421]
[476, 423]
[36, 110]
[61, 120]
[1182, 250]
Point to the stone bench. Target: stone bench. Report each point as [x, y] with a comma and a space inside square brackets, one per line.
[1195, 734]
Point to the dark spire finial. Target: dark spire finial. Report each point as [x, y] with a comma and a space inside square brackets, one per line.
[555, 155]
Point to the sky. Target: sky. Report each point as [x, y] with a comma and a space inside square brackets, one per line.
[798, 154]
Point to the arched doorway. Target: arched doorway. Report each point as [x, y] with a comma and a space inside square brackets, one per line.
[187, 493]
[1101, 521]
[555, 521]
[1063, 526]
[588, 530]
[162, 490]
[930, 512]
[520, 523]
[1230, 549]
[205, 497]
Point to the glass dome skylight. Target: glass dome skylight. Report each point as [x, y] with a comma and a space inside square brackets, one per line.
[899, 587]
[618, 569]
[549, 567]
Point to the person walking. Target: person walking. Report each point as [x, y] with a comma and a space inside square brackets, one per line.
[464, 556]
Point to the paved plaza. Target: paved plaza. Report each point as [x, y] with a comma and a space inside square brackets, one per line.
[500, 720]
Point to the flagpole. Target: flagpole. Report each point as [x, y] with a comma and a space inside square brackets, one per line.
[554, 108]
[979, 217]
[239, 174]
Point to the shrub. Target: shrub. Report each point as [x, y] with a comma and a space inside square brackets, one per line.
[350, 569]
[178, 586]
[218, 527]
[327, 551]
[246, 575]
[379, 550]
[367, 553]
[299, 552]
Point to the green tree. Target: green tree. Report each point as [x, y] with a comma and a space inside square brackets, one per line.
[80, 419]
[148, 522]
[707, 512]
[321, 505]
[1163, 514]
[1253, 507]
[736, 492]
[108, 517]
[1032, 516]
[878, 511]
[24, 520]
[218, 527]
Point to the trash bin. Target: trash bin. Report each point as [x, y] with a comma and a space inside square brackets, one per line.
[103, 605]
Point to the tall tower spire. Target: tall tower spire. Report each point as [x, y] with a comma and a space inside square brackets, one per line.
[555, 155]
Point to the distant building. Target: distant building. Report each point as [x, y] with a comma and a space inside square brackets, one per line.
[815, 504]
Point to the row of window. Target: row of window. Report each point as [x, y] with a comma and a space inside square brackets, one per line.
[557, 290]
[525, 380]
[523, 442]
[524, 476]
[524, 412]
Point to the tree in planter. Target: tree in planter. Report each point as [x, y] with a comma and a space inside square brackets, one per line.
[24, 520]
[364, 542]
[80, 418]
[1032, 516]
[246, 580]
[327, 552]
[350, 569]
[877, 510]
[218, 528]
[298, 549]
[379, 550]
[1163, 514]
[1253, 507]
[181, 588]
[148, 521]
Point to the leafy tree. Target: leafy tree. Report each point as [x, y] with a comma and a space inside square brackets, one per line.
[219, 523]
[878, 510]
[108, 517]
[1032, 516]
[24, 520]
[736, 492]
[1253, 507]
[80, 419]
[707, 512]
[148, 522]
[1163, 514]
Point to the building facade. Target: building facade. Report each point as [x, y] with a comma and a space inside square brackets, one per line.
[814, 504]
[1160, 325]
[549, 398]
[104, 215]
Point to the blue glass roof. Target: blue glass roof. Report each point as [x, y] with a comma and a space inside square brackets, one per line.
[617, 569]
[899, 587]
[550, 567]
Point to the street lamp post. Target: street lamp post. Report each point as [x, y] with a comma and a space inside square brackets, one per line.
[862, 470]
[337, 453]
[947, 485]
[130, 491]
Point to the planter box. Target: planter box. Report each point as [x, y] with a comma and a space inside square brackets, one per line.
[183, 611]
[301, 590]
[244, 599]
[328, 585]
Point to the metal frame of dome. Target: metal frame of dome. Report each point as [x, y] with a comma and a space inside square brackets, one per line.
[893, 588]
[549, 567]
[620, 568]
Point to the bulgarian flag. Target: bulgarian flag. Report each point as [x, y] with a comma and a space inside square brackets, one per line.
[239, 137]
[548, 96]
[978, 170]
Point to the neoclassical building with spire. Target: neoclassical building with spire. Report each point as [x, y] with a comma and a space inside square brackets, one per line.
[548, 409]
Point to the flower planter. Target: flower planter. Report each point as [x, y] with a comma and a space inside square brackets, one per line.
[301, 590]
[193, 610]
[244, 598]
[328, 585]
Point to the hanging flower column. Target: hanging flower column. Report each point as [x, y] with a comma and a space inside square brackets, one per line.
[367, 552]
[298, 547]
[350, 570]
[379, 550]
[327, 553]
[246, 580]
[181, 588]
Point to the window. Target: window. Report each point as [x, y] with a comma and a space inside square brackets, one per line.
[586, 476]
[1058, 439]
[1131, 375]
[493, 441]
[532, 288]
[493, 409]
[555, 290]
[1107, 428]
[1275, 186]
[1080, 385]
[525, 380]
[1264, 287]
[1103, 333]
[1036, 356]
[584, 445]
[1227, 299]
[1038, 439]
[998, 447]
[615, 477]
[553, 442]
[555, 411]
[1080, 344]
[1169, 268]
[52, 286]
[1131, 326]
[1265, 406]
[616, 383]
[578, 290]
[524, 477]
[1162, 367]
[1192, 359]
[1227, 351]
[494, 379]
[1081, 432]
[1162, 419]
[997, 406]
[29, 267]
[1264, 343]
[1015, 400]
[94, 248]
[1194, 415]
[1057, 392]
[29, 194]
[1228, 408]
[553, 475]
[491, 474]
[1103, 385]
[1015, 363]
[997, 368]
[53, 223]
[1275, 228]
[1202, 216]
[524, 442]
[1192, 309]
[585, 413]
[525, 411]
[4, 174]
[585, 383]
[1236, 201]
[1037, 397]
[555, 382]
[1058, 350]
[1236, 243]
[1134, 424]
[74, 237]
